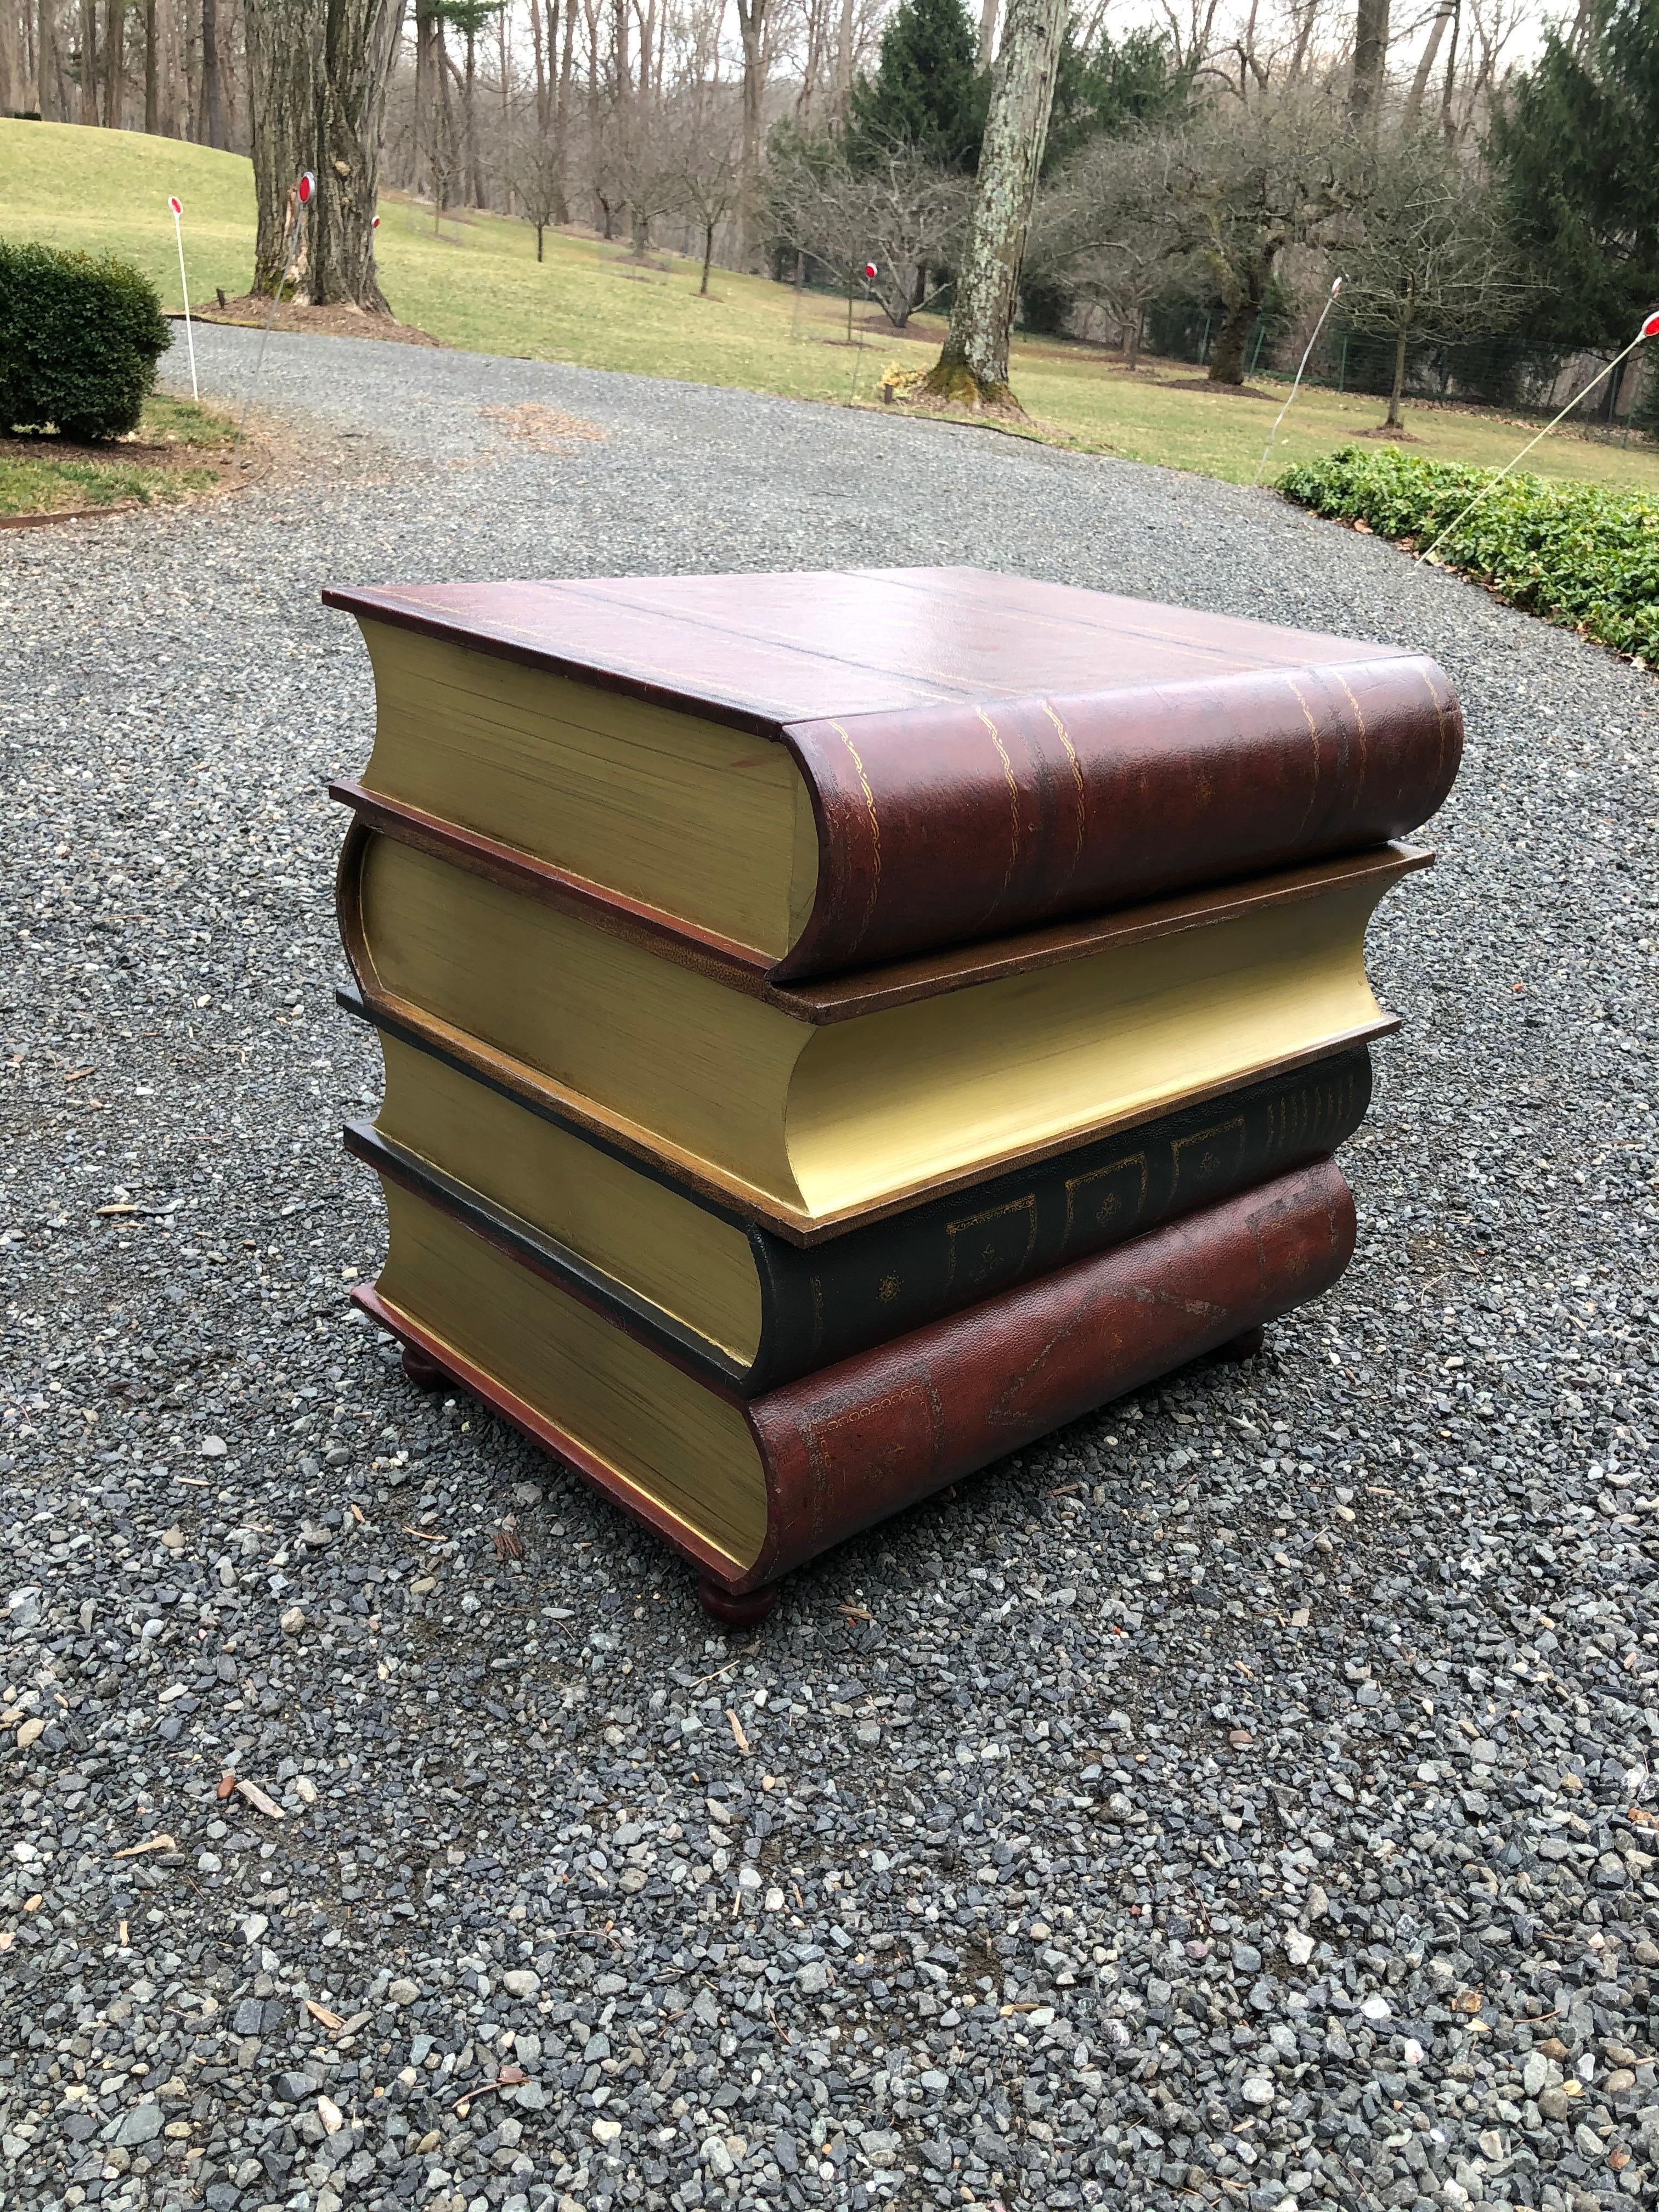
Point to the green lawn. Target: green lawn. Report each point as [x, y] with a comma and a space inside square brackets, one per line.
[476, 285]
[36, 478]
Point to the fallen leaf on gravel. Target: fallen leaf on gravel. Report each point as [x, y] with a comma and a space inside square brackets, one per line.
[737, 1736]
[226, 1783]
[260, 1802]
[149, 1843]
[548, 429]
[75, 1074]
[425, 1535]
[329, 2019]
[358, 1515]
[849, 1610]
[510, 1545]
[1238, 1738]
[115, 1209]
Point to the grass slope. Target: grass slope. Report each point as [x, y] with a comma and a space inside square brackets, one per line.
[476, 283]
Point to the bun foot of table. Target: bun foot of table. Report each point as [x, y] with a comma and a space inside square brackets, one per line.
[1244, 1345]
[425, 1374]
[743, 1612]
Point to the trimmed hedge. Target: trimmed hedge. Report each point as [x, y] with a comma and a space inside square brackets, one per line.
[79, 341]
[1576, 553]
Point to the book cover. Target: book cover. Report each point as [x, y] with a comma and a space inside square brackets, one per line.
[747, 1490]
[940, 756]
[571, 1209]
[816, 1109]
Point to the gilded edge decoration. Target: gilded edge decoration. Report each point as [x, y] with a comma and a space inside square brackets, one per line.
[874, 821]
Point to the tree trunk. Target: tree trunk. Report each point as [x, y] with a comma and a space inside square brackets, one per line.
[1370, 54]
[708, 255]
[88, 84]
[469, 106]
[317, 81]
[506, 64]
[988, 32]
[1393, 421]
[11, 60]
[1450, 86]
[426, 110]
[1237, 321]
[1132, 351]
[115, 56]
[562, 109]
[1415, 97]
[152, 73]
[43, 56]
[539, 229]
[973, 367]
[443, 125]
[212, 123]
[751, 28]
[640, 234]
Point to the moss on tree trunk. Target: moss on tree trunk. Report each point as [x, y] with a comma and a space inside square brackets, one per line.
[972, 369]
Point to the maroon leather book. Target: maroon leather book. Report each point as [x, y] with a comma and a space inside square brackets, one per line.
[986, 754]
[851, 1445]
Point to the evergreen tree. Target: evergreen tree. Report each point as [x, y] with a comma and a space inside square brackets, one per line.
[1573, 147]
[1099, 92]
[927, 93]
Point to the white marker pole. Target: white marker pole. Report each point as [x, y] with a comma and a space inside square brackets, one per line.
[1296, 384]
[1650, 329]
[178, 207]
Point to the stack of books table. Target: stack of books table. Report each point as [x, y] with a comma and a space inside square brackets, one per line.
[839, 1027]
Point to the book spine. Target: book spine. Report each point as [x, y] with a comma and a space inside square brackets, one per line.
[832, 1300]
[866, 1439]
[945, 825]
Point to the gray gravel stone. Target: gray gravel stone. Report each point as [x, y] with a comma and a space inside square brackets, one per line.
[1130, 1772]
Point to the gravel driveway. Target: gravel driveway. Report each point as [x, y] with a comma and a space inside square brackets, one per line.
[1243, 1800]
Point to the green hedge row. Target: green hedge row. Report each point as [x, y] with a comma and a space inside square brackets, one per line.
[1576, 553]
[79, 341]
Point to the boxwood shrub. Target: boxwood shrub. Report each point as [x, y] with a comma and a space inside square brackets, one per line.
[1577, 553]
[79, 341]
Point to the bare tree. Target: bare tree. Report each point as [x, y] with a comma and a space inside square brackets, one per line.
[1247, 180]
[707, 132]
[973, 364]
[893, 208]
[536, 165]
[1106, 227]
[1426, 257]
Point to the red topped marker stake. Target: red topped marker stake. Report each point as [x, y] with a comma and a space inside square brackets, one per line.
[176, 209]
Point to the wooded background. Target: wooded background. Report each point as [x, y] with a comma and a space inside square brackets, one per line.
[1480, 171]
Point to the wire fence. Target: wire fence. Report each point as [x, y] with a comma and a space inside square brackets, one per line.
[1520, 375]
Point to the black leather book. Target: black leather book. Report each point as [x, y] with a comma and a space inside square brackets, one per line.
[748, 1310]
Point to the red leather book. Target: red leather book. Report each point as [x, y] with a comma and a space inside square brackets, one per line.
[983, 755]
[747, 1490]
